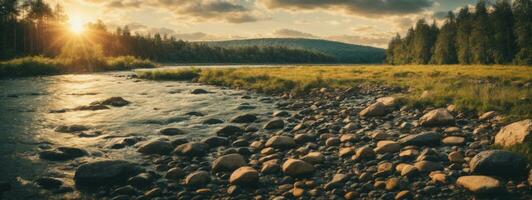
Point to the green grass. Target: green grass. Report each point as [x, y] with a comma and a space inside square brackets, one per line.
[473, 89]
[38, 65]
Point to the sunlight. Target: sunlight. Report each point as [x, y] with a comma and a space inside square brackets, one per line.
[77, 26]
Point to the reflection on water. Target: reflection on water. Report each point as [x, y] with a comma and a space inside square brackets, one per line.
[27, 125]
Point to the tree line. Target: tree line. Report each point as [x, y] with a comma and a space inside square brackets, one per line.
[33, 27]
[500, 33]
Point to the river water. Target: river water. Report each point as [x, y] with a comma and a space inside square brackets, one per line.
[27, 123]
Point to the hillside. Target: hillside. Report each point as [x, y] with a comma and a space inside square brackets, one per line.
[343, 52]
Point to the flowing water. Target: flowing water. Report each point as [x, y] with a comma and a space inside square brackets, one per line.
[27, 123]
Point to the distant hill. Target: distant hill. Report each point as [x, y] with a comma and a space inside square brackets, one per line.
[343, 52]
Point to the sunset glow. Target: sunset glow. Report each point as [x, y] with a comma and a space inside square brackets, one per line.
[77, 26]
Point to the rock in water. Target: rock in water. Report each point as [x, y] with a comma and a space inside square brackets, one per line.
[245, 118]
[438, 117]
[245, 176]
[113, 101]
[499, 163]
[295, 167]
[228, 162]
[109, 172]
[480, 184]
[426, 138]
[62, 154]
[228, 131]
[156, 147]
[49, 183]
[374, 110]
[172, 131]
[515, 133]
[199, 91]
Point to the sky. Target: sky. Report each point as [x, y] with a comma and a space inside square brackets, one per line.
[365, 22]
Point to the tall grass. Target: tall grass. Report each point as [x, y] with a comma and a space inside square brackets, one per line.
[473, 89]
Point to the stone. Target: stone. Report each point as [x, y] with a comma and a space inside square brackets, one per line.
[487, 116]
[197, 179]
[153, 193]
[499, 163]
[380, 135]
[392, 184]
[141, 181]
[257, 145]
[113, 101]
[212, 121]
[344, 152]
[245, 118]
[438, 177]
[388, 101]
[228, 162]
[191, 149]
[199, 91]
[108, 172]
[244, 176]
[215, 141]
[332, 141]
[337, 181]
[480, 184]
[172, 131]
[274, 124]
[270, 166]
[428, 166]
[385, 168]
[71, 129]
[174, 173]
[409, 153]
[303, 138]
[405, 194]
[453, 141]
[295, 167]
[156, 147]
[49, 183]
[348, 138]
[515, 133]
[365, 153]
[387, 146]
[409, 170]
[229, 130]
[314, 158]
[62, 154]
[374, 110]
[298, 192]
[425, 138]
[280, 142]
[438, 117]
[281, 114]
[456, 157]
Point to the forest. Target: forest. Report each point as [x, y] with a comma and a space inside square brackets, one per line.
[497, 33]
[31, 28]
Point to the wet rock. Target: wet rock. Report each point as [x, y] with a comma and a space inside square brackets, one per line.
[387, 146]
[256, 145]
[425, 138]
[199, 91]
[230, 130]
[172, 131]
[314, 158]
[365, 153]
[191, 149]
[228, 162]
[274, 124]
[344, 152]
[303, 138]
[212, 121]
[62, 154]
[194, 113]
[515, 133]
[428, 166]
[175, 173]
[215, 141]
[49, 183]
[271, 166]
[453, 141]
[281, 114]
[156, 147]
[141, 181]
[295, 167]
[280, 142]
[71, 129]
[403, 195]
[374, 110]
[198, 178]
[245, 118]
[113, 101]
[108, 172]
[409, 170]
[480, 184]
[244, 176]
[83, 108]
[438, 117]
[338, 180]
[127, 190]
[499, 163]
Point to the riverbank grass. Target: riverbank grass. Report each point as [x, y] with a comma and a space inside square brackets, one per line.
[39, 65]
[473, 89]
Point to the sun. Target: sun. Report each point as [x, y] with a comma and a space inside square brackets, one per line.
[77, 26]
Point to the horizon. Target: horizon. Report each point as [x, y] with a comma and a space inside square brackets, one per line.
[355, 22]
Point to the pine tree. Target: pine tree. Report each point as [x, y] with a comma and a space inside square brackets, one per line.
[423, 42]
[523, 31]
[504, 39]
[444, 48]
[481, 35]
[463, 49]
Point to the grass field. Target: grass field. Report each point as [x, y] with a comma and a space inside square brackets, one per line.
[474, 89]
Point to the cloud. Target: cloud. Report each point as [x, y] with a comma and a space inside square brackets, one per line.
[292, 34]
[368, 8]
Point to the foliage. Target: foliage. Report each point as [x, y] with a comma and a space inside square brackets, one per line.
[30, 66]
[474, 89]
[498, 35]
[187, 74]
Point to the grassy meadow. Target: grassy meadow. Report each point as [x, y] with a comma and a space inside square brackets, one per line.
[473, 89]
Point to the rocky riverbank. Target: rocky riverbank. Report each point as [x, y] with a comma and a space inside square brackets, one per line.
[357, 143]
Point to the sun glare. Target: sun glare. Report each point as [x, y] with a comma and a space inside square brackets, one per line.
[76, 26]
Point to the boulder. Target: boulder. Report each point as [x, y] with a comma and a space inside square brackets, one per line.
[388, 101]
[108, 172]
[295, 167]
[280, 142]
[228, 162]
[156, 147]
[274, 124]
[515, 133]
[438, 117]
[244, 176]
[113, 101]
[374, 110]
[245, 118]
[197, 178]
[480, 184]
[499, 163]
[229, 131]
[425, 138]
[62, 154]
[191, 149]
